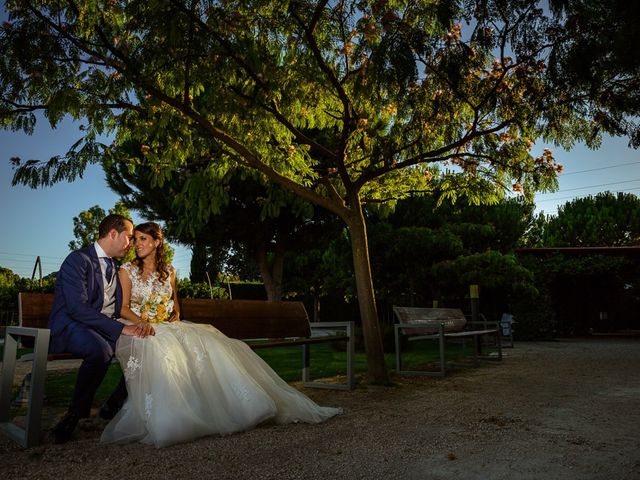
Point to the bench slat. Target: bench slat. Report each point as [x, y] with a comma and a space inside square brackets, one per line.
[249, 319]
[430, 319]
[33, 312]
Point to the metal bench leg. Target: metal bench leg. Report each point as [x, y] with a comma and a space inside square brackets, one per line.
[443, 361]
[477, 346]
[398, 352]
[30, 435]
[351, 357]
[351, 353]
[428, 373]
[8, 372]
[306, 364]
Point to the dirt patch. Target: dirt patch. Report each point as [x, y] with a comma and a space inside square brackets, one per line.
[565, 409]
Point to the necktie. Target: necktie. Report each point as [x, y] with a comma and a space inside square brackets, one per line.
[109, 271]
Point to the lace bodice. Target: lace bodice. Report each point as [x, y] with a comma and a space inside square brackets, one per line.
[148, 295]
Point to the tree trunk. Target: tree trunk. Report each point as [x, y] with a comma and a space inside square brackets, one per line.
[316, 304]
[271, 271]
[376, 368]
[198, 262]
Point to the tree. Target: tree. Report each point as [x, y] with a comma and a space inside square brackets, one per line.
[596, 61]
[85, 225]
[606, 219]
[454, 245]
[343, 103]
[581, 285]
[254, 225]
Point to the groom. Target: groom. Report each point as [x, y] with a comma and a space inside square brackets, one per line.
[83, 321]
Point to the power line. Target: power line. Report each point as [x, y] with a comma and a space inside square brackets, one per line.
[601, 168]
[582, 196]
[30, 255]
[596, 186]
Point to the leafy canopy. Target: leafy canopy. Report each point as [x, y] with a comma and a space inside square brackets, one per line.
[606, 219]
[327, 98]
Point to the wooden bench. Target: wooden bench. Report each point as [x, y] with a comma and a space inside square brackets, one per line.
[266, 324]
[261, 324]
[441, 324]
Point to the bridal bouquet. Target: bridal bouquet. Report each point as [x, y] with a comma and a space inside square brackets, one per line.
[157, 308]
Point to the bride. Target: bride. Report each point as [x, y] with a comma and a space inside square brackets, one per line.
[189, 380]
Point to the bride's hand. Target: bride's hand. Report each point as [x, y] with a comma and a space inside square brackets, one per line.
[175, 316]
[142, 329]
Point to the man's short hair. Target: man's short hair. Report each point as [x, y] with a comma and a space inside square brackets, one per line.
[111, 221]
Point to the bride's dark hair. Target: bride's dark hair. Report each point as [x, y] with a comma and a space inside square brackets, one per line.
[154, 231]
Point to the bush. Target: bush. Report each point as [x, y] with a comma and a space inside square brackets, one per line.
[188, 289]
[535, 318]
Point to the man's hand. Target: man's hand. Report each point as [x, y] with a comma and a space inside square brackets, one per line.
[142, 329]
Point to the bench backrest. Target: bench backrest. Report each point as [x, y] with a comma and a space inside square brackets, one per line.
[244, 319]
[33, 311]
[431, 318]
[249, 319]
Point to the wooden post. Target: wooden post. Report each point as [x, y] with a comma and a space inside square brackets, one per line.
[475, 300]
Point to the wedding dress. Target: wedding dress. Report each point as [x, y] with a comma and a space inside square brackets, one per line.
[190, 380]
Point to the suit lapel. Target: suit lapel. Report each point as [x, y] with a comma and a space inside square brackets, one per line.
[95, 263]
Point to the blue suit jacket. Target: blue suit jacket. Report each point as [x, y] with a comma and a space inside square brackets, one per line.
[78, 300]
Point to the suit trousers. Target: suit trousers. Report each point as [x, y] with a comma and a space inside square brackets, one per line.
[96, 353]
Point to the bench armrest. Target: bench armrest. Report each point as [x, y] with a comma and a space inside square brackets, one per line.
[26, 331]
[481, 323]
[422, 328]
[348, 327]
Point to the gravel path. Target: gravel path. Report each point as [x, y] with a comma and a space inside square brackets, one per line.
[557, 410]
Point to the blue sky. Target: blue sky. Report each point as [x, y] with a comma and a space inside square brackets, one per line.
[40, 222]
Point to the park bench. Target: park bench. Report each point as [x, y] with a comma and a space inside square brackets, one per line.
[441, 324]
[268, 324]
[261, 324]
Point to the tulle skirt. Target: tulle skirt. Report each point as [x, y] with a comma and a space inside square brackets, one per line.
[190, 380]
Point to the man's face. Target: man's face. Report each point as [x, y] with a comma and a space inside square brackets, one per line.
[122, 241]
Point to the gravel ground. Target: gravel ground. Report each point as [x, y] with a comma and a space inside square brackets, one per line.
[556, 410]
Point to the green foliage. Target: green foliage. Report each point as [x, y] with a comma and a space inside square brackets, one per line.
[605, 219]
[342, 103]
[188, 289]
[427, 249]
[535, 316]
[487, 269]
[289, 94]
[576, 287]
[11, 284]
[8, 278]
[85, 225]
[593, 61]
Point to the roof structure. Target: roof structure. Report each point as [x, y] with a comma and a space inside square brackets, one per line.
[627, 250]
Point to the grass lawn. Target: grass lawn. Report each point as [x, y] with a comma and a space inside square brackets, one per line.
[325, 362]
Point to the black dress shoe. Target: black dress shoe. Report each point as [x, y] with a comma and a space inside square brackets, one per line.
[63, 431]
[107, 412]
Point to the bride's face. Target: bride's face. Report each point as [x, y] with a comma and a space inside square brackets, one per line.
[145, 245]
